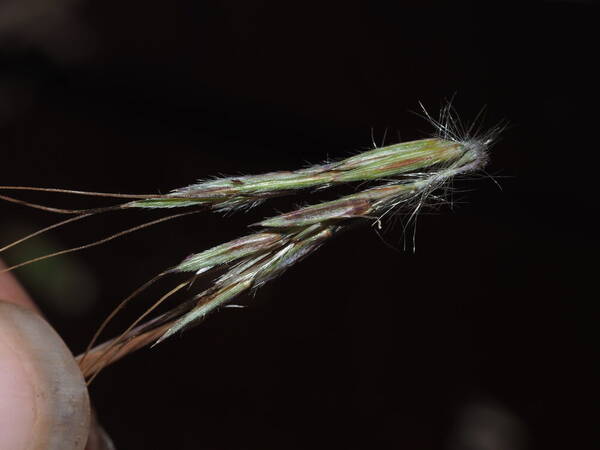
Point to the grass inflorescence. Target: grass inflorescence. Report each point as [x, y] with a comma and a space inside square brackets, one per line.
[407, 173]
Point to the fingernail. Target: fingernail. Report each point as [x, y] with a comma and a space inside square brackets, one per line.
[43, 398]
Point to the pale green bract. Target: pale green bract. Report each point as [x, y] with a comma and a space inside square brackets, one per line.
[381, 163]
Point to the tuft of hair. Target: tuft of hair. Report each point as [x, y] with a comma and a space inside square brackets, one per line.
[441, 191]
[472, 134]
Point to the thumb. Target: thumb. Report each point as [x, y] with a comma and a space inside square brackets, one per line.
[44, 402]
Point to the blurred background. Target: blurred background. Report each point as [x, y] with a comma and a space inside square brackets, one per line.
[480, 340]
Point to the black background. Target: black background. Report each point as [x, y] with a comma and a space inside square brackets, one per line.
[485, 334]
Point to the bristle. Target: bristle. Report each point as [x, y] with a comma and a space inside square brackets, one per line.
[98, 242]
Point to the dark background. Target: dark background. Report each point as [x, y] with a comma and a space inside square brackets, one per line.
[481, 340]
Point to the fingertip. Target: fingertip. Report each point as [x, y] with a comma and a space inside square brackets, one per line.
[44, 402]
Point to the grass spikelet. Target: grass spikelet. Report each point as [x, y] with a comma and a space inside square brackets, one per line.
[401, 176]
